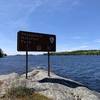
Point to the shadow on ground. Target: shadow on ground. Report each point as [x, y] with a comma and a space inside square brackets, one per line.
[61, 81]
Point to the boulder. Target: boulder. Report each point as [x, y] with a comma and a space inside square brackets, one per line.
[55, 87]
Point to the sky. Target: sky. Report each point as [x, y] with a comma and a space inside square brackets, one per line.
[76, 23]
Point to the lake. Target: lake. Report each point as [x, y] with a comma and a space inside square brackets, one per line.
[84, 69]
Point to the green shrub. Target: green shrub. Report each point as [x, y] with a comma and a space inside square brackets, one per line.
[19, 92]
[23, 93]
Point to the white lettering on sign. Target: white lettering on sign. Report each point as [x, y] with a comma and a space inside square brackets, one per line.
[52, 39]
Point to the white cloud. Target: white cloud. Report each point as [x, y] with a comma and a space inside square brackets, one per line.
[97, 41]
[16, 12]
[58, 4]
[82, 47]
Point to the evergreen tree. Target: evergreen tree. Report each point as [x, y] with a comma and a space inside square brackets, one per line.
[2, 53]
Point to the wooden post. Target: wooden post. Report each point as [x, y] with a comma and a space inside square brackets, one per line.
[26, 64]
[27, 57]
[49, 69]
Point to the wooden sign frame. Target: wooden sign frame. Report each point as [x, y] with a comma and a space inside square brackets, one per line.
[34, 41]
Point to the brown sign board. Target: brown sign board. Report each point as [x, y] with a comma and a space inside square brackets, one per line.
[33, 41]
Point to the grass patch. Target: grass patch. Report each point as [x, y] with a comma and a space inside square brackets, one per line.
[23, 93]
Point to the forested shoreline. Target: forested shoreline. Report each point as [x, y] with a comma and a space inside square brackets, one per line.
[77, 52]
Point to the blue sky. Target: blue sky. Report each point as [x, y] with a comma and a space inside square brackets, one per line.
[76, 23]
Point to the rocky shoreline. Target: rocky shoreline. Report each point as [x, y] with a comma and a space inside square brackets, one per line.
[54, 87]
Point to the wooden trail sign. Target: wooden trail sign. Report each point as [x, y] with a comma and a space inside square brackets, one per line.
[33, 41]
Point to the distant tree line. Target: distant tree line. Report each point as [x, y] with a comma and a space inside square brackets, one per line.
[77, 52]
[2, 54]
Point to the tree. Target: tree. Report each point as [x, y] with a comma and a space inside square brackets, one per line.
[1, 53]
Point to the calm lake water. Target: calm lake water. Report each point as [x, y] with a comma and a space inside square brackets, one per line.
[84, 69]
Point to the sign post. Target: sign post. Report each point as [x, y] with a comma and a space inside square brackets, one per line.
[33, 41]
[26, 55]
[26, 64]
[49, 64]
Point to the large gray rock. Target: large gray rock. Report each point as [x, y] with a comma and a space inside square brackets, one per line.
[6, 81]
[55, 87]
